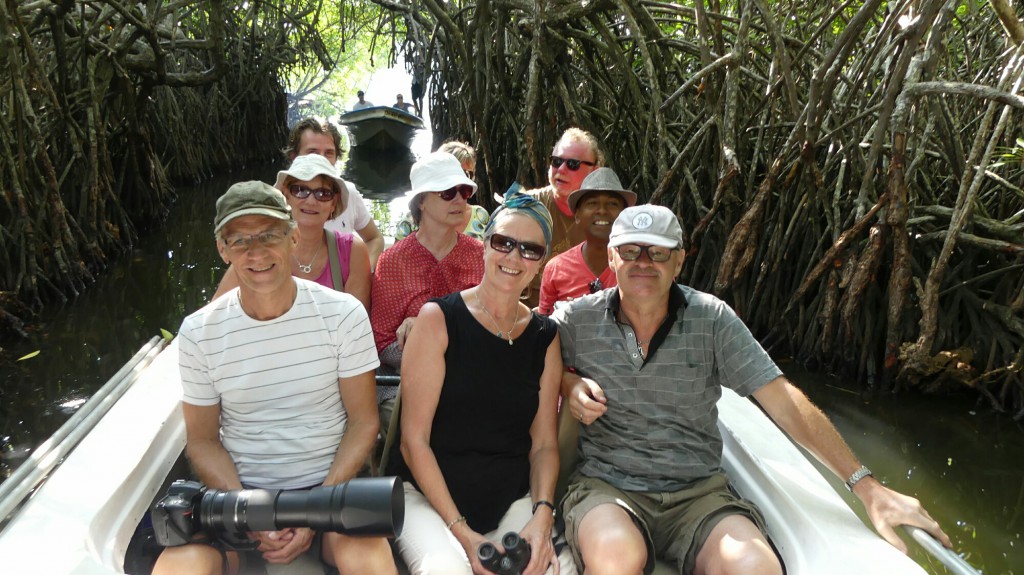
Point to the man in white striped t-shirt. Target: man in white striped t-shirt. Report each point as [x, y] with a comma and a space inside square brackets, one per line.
[279, 390]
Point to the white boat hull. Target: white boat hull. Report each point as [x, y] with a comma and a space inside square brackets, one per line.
[82, 518]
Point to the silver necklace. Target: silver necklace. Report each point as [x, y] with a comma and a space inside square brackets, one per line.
[499, 333]
[308, 268]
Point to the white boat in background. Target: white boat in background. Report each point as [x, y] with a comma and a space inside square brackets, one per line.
[81, 520]
[381, 127]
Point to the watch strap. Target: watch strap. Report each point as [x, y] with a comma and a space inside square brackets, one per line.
[857, 476]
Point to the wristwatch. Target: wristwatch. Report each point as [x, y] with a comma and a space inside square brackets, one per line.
[857, 476]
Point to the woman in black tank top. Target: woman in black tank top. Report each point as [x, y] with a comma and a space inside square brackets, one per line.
[480, 383]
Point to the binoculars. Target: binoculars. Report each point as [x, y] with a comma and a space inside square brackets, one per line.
[512, 562]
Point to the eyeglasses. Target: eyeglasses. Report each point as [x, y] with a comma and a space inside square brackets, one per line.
[632, 252]
[595, 286]
[527, 250]
[572, 164]
[464, 190]
[241, 244]
[302, 192]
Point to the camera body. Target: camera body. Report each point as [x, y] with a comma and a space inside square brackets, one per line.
[512, 562]
[190, 512]
[174, 521]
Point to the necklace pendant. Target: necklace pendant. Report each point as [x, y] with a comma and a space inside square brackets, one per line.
[510, 339]
[306, 269]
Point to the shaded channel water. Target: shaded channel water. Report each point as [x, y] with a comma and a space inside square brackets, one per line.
[963, 461]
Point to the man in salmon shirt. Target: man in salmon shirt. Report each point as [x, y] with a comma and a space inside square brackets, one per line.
[576, 154]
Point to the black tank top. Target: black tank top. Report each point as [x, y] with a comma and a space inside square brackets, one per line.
[481, 430]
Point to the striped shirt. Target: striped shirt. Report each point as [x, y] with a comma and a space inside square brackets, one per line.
[277, 381]
[660, 432]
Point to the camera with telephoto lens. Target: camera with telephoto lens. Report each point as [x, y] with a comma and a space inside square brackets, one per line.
[191, 512]
[512, 562]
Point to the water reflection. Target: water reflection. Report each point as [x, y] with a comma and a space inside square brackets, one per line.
[379, 174]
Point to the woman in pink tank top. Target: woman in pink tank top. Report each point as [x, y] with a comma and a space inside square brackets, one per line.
[316, 194]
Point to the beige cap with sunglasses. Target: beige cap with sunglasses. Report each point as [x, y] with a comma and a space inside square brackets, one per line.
[305, 168]
[601, 180]
[437, 172]
[646, 224]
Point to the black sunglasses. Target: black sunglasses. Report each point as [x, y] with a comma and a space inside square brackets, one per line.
[570, 163]
[527, 250]
[595, 286]
[632, 252]
[302, 192]
[464, 190]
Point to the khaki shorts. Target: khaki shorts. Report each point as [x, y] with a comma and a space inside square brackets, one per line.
[675, 525]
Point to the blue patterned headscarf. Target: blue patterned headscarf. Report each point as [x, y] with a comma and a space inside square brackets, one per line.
[516, 202]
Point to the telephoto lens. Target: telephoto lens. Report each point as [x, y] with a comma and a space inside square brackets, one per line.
[373, 506]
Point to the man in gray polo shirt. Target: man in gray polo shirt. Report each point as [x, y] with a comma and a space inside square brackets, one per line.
[645, 363]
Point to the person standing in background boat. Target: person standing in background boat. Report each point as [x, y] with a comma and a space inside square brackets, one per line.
[479, 452]
[417, 86]
[645, 363]
[435, 260]
[401, 104]
[361, 103]
[583, 269]
[311, 136]
[278, 389]
[575, 155]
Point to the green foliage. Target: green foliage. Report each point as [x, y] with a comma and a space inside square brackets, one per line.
[324, 83]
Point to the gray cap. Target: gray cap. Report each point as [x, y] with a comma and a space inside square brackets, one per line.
[646, 224]
[601, 180]
[251, 199]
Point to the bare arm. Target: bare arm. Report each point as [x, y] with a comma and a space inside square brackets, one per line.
[544, 431]
[374, 242]
[358, 283]
[359, 396]
[808, 426]
[544, 463]
[211, 462]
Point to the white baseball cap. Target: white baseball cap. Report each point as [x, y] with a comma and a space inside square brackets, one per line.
[646, 224]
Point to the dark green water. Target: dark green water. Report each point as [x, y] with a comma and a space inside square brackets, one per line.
[964, 462]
